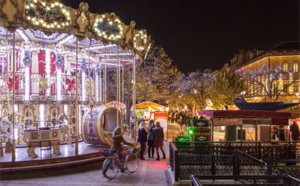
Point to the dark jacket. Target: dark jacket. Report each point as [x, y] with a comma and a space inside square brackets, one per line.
[150, 134]
[280, 135]
[158, 137]
[117, 142]
[295, 132]
[142, 135]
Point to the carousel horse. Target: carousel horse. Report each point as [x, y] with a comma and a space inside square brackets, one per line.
[5, 129]
[65, 129]
[6, 125]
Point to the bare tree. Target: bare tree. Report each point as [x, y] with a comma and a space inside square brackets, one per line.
[268, 83]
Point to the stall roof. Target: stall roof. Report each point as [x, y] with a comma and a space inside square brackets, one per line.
[277, 118]
[147, 104]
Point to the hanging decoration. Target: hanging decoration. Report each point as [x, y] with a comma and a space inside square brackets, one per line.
[47, 14]
[108, 26]
[71, 84]
[27, 60]
[43, 83]
[10, 83]
[59, 62]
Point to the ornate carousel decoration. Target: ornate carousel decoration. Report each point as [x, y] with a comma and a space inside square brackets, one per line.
[53, 62]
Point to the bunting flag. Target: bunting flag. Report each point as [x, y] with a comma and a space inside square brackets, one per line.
[71, 84]
[10, 82]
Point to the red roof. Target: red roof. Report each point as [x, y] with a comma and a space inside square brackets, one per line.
[278, 118]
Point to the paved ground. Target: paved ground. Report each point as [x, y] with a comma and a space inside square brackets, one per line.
[150, 173]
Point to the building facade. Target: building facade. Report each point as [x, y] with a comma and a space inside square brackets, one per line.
[271, 75]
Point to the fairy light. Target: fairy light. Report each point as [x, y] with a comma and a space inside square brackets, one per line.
[22, 34]
[113, 24]
[65, 40]
[27, 86]
[141, 35]
[46, 23]
[47, 70]
[42, 115]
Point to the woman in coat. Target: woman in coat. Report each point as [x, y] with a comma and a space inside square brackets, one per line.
[150, 139]
[158, 139]
[142, 138]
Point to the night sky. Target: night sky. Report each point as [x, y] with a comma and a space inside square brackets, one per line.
[199, 34]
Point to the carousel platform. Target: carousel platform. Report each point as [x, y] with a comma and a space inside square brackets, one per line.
[87, 153]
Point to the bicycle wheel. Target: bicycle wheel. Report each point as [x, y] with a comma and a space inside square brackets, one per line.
[131, 162]
[110, 168]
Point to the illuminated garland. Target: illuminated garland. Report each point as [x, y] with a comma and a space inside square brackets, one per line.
[140, 40]
[108, 26]
[47, 15]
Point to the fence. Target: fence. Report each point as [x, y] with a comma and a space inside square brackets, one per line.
[233, 159]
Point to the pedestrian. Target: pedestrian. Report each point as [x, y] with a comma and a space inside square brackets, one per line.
[158, 138]
[274, 133]
[280, 134]
[117, 144]
[142, 138]
[150, 139]
[294, 128]
[132, 124]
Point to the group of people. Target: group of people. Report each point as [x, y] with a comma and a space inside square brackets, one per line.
[280, 133]
[153, 138]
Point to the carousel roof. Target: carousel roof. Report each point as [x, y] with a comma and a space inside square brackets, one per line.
[50, 24]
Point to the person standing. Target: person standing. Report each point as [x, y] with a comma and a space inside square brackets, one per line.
[158, 138]
[280, 134]
[142, 138]
[294, 128]
[150, 139]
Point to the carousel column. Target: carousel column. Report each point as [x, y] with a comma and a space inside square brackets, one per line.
[98, 83]
[34, 72]
[59, 63]
[48, 71]
[118, 88]
[105, 85]
[27, 62]
[13, 99]
[76, 103]
[134, 97]
[83, 80]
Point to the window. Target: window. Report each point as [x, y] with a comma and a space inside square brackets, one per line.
[285, 67]
[295, 67]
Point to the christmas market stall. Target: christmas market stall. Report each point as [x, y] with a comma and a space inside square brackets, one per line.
[246, 125]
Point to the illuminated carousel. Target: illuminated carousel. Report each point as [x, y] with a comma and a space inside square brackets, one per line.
[53, 66]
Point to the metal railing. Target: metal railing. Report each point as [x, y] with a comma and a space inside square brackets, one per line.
[233, 159]
[282, 180]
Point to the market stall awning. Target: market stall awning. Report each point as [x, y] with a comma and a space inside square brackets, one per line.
[277, 118]
[149, 104]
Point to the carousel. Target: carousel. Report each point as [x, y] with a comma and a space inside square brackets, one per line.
[53, 66]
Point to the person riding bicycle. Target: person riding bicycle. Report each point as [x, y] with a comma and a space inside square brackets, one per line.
[117, 144]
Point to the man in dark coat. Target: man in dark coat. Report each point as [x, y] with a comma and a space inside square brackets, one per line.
[295, 131]
[158, 139]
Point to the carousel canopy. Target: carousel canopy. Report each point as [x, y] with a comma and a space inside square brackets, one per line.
[50, 24]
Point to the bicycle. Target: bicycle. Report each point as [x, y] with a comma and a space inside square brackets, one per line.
[112, 165]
